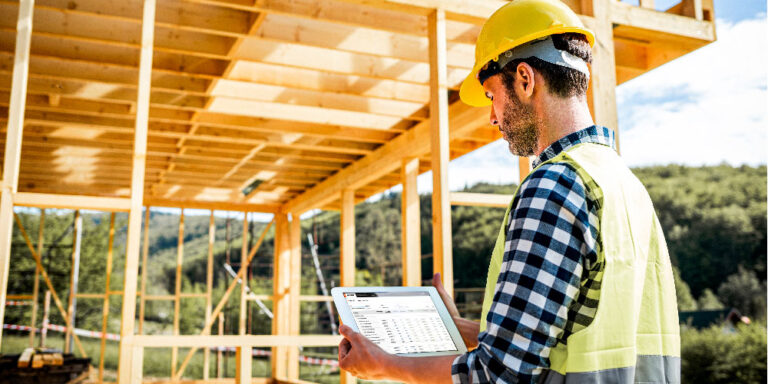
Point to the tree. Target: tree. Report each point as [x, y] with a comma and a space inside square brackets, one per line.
[744, 292]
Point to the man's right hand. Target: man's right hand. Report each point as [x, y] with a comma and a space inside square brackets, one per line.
[468, 329]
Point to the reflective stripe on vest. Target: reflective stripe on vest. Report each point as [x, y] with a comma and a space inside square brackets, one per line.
[634, 336]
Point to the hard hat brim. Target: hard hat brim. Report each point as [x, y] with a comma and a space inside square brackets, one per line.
[472, 92]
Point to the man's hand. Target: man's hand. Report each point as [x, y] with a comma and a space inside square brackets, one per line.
[468, 329]
[362, 358]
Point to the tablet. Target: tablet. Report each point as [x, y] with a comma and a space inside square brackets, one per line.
[408, 321]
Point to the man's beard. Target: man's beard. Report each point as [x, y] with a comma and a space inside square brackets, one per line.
[518, 125]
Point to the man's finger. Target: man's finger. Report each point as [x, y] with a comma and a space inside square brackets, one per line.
[344, 348]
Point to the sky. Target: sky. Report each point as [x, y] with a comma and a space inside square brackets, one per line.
[707, 107]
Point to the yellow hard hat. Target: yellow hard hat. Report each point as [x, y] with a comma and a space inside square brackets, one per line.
[514, 24]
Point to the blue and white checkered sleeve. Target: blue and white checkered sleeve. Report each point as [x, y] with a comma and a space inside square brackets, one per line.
[540, 277]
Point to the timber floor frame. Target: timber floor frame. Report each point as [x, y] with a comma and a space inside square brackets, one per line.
[275, 106]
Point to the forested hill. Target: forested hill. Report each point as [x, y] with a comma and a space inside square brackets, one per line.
[714, 219]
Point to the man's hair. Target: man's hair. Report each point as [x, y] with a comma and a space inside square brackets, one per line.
[563, 82]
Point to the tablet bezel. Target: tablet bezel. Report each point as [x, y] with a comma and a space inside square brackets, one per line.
[345, 314]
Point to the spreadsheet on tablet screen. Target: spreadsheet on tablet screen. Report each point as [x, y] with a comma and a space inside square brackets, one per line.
[400, 322]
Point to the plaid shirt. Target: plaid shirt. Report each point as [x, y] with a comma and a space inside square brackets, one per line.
[550, 276]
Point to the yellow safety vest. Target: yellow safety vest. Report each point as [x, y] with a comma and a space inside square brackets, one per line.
[635, 335]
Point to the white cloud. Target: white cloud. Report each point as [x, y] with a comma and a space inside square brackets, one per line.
[707, 107]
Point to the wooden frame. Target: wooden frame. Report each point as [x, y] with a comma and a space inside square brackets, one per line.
[232, 99]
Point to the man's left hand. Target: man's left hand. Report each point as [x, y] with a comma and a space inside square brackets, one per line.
[362, 358]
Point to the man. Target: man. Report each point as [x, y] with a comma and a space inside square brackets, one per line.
[579, 287]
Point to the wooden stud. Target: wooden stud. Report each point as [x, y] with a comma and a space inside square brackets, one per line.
[648, 4]
[601, 95]
[281, 290]
[47, 280]
[105, 309]
[411, 223]
[14, 133]
[219, 354]
[127, 324]
[36, 284]
[294, 284]
[442, 253]
[244, 358]
[209, 293]
[524, 166]
[74, 278]
[348, 238]
[144, 271]
[347, 254]
[136, 365]
[177, 291]
[224, 298]
[244, 281]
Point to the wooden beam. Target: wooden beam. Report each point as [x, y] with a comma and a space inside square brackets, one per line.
[105, 308]
[480, 199]
[128, 319]
[347, 254]
[36, 284]
[60, 201]
[674, 26]
[74, 278]
[209, 292]
[243, 312]
[144, 270]
[10, 176]
[386, 159]
[601, 95]
[177, 291]
[281, 294]
[411, 223]
[244, 358]
[217, 205]
[442, 248]
[294, 302]
[475, 12]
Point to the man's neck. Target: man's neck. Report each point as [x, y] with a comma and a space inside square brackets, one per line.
[561, 117]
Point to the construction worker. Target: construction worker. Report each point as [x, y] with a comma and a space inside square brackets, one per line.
[580, 286]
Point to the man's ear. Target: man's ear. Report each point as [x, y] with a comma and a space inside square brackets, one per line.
[525, 81]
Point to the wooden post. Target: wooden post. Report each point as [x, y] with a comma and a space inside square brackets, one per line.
[601, 95]
[13, 137]
[348, 238]
[244, 357]
[219, 357]
[294, 286]
[208, 293]
[347, 254]
[105, 309]
[46, 313]
[244, 280]
[281, 287]
[73, 281]
[647, 4]
[144, 271]
[177, 292]
[137, 364]
[442, 252]
[125, 367]
[36, 284]
[411, 223]
[524, 166]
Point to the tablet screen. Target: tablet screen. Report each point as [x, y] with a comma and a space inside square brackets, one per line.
[400, 322]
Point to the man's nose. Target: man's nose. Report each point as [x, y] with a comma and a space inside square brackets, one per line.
[494, 120]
